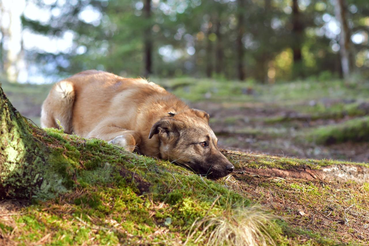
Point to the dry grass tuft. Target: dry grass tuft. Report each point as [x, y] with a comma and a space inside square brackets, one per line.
[242, 226]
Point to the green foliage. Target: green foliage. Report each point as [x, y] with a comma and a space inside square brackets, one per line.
[356, 130]
[198, 38]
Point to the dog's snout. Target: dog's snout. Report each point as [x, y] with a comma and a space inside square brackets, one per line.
[230, 168]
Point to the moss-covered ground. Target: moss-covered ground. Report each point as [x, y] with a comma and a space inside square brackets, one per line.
[115, 197]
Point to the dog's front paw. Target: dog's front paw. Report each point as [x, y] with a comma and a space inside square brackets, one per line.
[122, 142]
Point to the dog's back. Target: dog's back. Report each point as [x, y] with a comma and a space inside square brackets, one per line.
[80, 102]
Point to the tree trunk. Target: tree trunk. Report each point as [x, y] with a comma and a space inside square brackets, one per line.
[266, 54]
[1, 39]
[209, 48]
[297, 32]
[22, 156]
[239, 43]
[29, 168]
[12, 56]
[345, 38]
[148, 39]
[219, 47]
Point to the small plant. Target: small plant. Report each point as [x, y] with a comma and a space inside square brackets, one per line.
[241, 226]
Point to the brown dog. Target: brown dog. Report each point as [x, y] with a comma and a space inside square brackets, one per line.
[137, 115]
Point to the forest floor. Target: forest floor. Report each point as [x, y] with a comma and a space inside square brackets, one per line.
[281, 127]
[277, 129]
[282, 119]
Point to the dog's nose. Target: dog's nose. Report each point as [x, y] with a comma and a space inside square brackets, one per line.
[230, 168]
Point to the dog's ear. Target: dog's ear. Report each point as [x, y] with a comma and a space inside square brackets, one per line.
[201, 114]
[162, 126]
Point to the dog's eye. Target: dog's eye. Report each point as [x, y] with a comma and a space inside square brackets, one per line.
[204, 144]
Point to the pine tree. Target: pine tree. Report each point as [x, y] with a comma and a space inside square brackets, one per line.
[239, 42]
[297, 32]
[345, 38]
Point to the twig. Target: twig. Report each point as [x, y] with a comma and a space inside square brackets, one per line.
[348, 208]
[42, 240]
[9, 214]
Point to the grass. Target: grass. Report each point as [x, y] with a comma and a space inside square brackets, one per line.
[355, 130]
[194, 90]
[243, 226]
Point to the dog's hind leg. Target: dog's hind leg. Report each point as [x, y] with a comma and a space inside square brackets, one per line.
[58, 106]
[114, 134]
[126, 140]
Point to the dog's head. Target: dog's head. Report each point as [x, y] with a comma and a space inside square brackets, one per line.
[187, 140]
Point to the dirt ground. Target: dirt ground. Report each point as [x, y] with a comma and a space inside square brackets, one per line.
[245, 127]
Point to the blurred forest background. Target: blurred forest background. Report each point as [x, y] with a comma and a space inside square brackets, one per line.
[260, 40]
[283, 77]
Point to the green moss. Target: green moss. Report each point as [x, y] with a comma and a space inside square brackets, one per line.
[356, 130]
[5, 228]
[55, 134]
[314, 238]
[366, 187]
[91, 168]
[241, 160]
[231, 120]
[106, 203]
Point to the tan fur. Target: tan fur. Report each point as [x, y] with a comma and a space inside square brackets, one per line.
[137, 115]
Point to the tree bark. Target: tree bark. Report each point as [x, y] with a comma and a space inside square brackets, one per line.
[266, 55]
[22, 156]
[209, 48]
[345, 38]
[297, 33]
[148, 39]
[28, 167]
[1, 39]
[239, 41]
[219, 47]
[12, 56]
